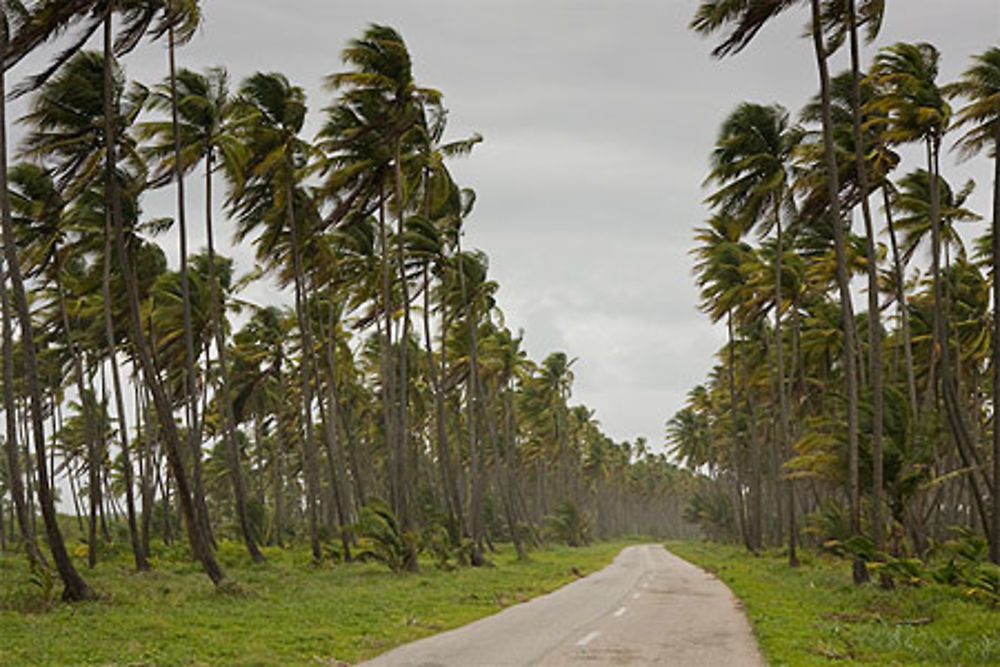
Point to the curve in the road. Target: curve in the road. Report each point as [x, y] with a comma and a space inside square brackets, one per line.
[648, 607]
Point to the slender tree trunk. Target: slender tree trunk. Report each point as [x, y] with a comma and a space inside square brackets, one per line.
[405, 460]
[308, 350]
[16, 476]
[225, 394]
[779, 344]
[995, 542]
[475, 458]
[953, 407]
[198, 533]
[843, 283]
[904, 311]
[190, 375]
[141, 564]
[874, 319]
[76, 588]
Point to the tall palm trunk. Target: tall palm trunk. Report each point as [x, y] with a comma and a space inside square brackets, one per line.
[904, 311]
[75, 587]
[138, 554]
[16, 479]
[225, 393]
[475, 457]
[942, 349]
[90, 425]
[843, 284]
[452, 501]
[332, 429]
[874, 320]
[405, 461]
[310, 463]
[995, 542]
[779, 344]
[198, 533]
[190, 389]
[386, 365]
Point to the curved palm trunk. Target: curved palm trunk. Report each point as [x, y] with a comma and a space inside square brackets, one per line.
[949, 388]
[197, 528]
[76, 588]
[874, 320]
[843, 283]
[190, 390]
[225, 395]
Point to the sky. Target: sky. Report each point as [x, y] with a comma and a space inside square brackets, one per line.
[598, 118]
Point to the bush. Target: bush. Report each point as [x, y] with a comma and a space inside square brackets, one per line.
[569, 525]
[383, 540]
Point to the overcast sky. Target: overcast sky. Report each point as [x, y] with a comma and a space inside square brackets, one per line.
[598, 118]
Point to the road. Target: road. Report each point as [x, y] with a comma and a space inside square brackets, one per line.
[648, 607]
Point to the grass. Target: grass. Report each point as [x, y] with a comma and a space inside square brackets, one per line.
[289, 612]
[814, 615]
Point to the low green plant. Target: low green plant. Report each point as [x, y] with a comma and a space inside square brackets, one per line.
[568, 525]
[382, 538]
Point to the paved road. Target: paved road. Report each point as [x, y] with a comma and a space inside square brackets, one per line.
[647, 608]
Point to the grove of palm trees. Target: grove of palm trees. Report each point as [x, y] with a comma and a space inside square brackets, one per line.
[376, 406]
[852, 407]
[265, 399]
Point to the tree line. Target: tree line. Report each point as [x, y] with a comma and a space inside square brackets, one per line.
[169, 408]
[876, 424]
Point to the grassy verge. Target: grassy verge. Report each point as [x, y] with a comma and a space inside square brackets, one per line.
[291, 613]
[814, 615]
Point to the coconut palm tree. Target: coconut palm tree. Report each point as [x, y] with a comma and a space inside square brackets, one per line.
[980, 86]
[76, 588]
[742, 21]
[202, 120]
[752, 164]
[270, 195]
[917, 110]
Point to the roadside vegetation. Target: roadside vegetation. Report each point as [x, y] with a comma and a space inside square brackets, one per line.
[286, 613]
[372, 404]
[815, 615]
[870, 428]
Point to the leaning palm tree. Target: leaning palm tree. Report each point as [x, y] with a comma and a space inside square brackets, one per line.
[742, 20]
[917, 110]
[980, 85]
[270, 194]
[752, 164]
[202, 128]
[75, 587]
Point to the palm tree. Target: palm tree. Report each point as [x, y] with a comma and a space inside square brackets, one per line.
[76, 588]
[270, 194]
[744, 20]
[917, 110]
[752, 164]
[980, 85]
[205, 130]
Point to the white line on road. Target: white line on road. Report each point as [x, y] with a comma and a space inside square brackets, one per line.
[589, 638]
[621, 612]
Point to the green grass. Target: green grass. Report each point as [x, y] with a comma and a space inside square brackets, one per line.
[291, 613]
[814, 615]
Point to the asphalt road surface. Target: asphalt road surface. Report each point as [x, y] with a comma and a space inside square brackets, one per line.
[648, 607]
